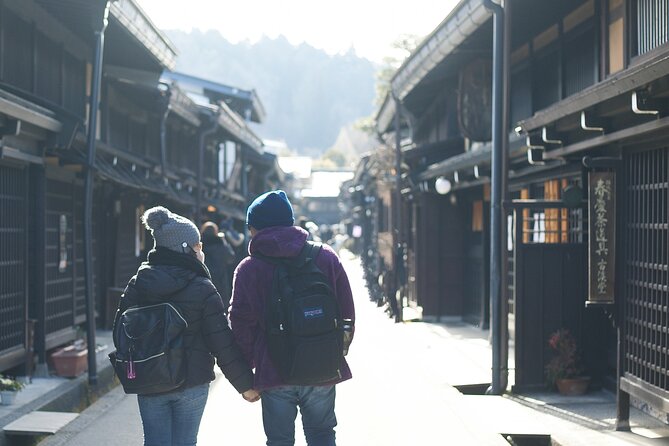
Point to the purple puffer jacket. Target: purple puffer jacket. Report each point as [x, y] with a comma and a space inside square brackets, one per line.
[252, 283]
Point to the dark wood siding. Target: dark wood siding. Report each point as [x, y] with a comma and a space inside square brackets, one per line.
[546, 79]
[48, 70]
[17, 51]
[579, 62]
[74, 82]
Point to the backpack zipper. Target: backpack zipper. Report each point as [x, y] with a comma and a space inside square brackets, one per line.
[157, 305]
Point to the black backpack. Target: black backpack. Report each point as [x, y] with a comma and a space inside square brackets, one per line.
[150, 356]
[302, 320]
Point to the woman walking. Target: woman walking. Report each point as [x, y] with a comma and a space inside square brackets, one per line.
[175, 273]
[219, 255]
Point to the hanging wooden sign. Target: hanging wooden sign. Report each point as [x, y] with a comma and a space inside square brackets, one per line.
[475, 100]
[602, 231]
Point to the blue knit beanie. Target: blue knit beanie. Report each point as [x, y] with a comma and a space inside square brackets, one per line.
[270, 209]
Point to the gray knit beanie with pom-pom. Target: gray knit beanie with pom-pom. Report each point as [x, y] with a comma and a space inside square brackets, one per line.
[170, 230]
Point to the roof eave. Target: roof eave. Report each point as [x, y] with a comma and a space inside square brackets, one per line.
[138, 24]
[466, 17]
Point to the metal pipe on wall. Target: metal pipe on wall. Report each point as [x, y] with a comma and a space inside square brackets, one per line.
[506, 127]
[496, 295]
[88, 193]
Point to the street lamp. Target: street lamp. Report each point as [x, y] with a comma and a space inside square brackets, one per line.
[442, 186]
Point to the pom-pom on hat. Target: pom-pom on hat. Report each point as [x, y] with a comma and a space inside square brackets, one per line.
[270, 209]
[171, 230]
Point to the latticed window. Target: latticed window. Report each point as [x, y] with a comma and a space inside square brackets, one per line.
[552, 225]
[13, 200]
[646, 277]
[652, 24]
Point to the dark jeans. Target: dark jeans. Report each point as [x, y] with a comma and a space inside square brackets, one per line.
[316, 403]
[173, 419]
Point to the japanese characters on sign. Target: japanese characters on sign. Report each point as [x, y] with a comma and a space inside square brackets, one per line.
[601, 265]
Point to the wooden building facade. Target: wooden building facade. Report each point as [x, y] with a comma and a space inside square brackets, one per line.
[156, 144]
[587, 174]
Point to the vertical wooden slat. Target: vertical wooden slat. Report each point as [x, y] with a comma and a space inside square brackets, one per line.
[525, 194]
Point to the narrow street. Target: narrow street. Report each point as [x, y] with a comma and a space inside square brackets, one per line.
[402, 393]
[398, 396]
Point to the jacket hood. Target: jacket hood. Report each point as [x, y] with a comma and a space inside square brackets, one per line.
[278, 241]
[162, 280]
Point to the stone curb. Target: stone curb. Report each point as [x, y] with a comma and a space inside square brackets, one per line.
[71, 396]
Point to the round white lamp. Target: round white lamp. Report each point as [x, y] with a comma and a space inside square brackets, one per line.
[442, 185]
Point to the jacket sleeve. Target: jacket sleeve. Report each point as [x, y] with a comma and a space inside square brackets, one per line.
[221, 344]
[243, 317]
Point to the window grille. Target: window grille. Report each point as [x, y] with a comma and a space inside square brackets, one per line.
[579, 63]
[13, 249]
[646, 275]
[652, 24]
[59, 284]
[554, 226]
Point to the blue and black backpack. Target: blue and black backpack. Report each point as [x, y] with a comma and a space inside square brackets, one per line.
[303, 322]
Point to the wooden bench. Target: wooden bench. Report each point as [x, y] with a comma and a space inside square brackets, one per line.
[39, 423]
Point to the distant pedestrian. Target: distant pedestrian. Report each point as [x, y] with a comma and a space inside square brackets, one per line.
[175, 273]
[219, 255]
[277, 247]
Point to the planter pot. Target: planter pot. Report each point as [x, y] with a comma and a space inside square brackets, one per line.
[8, 397]
[70, 362]
[573, 386]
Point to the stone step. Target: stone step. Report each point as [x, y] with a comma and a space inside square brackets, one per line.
[39, 423]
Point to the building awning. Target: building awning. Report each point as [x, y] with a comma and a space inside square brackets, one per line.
[23, 110]
[148, 81]
[466, 161]
[236, 126]
[184, 106]
[245, 102]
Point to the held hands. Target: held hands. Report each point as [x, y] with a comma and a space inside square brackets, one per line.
[251, 395]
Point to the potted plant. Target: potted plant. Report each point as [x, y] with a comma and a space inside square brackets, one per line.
[564, 370]
[9, 387]
[71, 361]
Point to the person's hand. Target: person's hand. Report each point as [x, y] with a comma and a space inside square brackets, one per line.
[251, 395]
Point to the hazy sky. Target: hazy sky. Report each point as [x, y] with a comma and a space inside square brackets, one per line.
[369, 26]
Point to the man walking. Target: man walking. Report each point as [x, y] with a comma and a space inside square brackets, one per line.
[290, 373]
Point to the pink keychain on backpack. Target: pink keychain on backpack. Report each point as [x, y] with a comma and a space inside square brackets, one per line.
[130, 369]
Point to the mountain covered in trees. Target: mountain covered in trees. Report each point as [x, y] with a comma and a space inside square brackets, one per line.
[308, 94]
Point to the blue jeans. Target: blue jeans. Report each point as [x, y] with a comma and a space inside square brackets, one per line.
[316, 403]
[173, 419]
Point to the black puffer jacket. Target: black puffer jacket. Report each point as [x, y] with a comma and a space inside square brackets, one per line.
[182, 280]
[219, 255]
